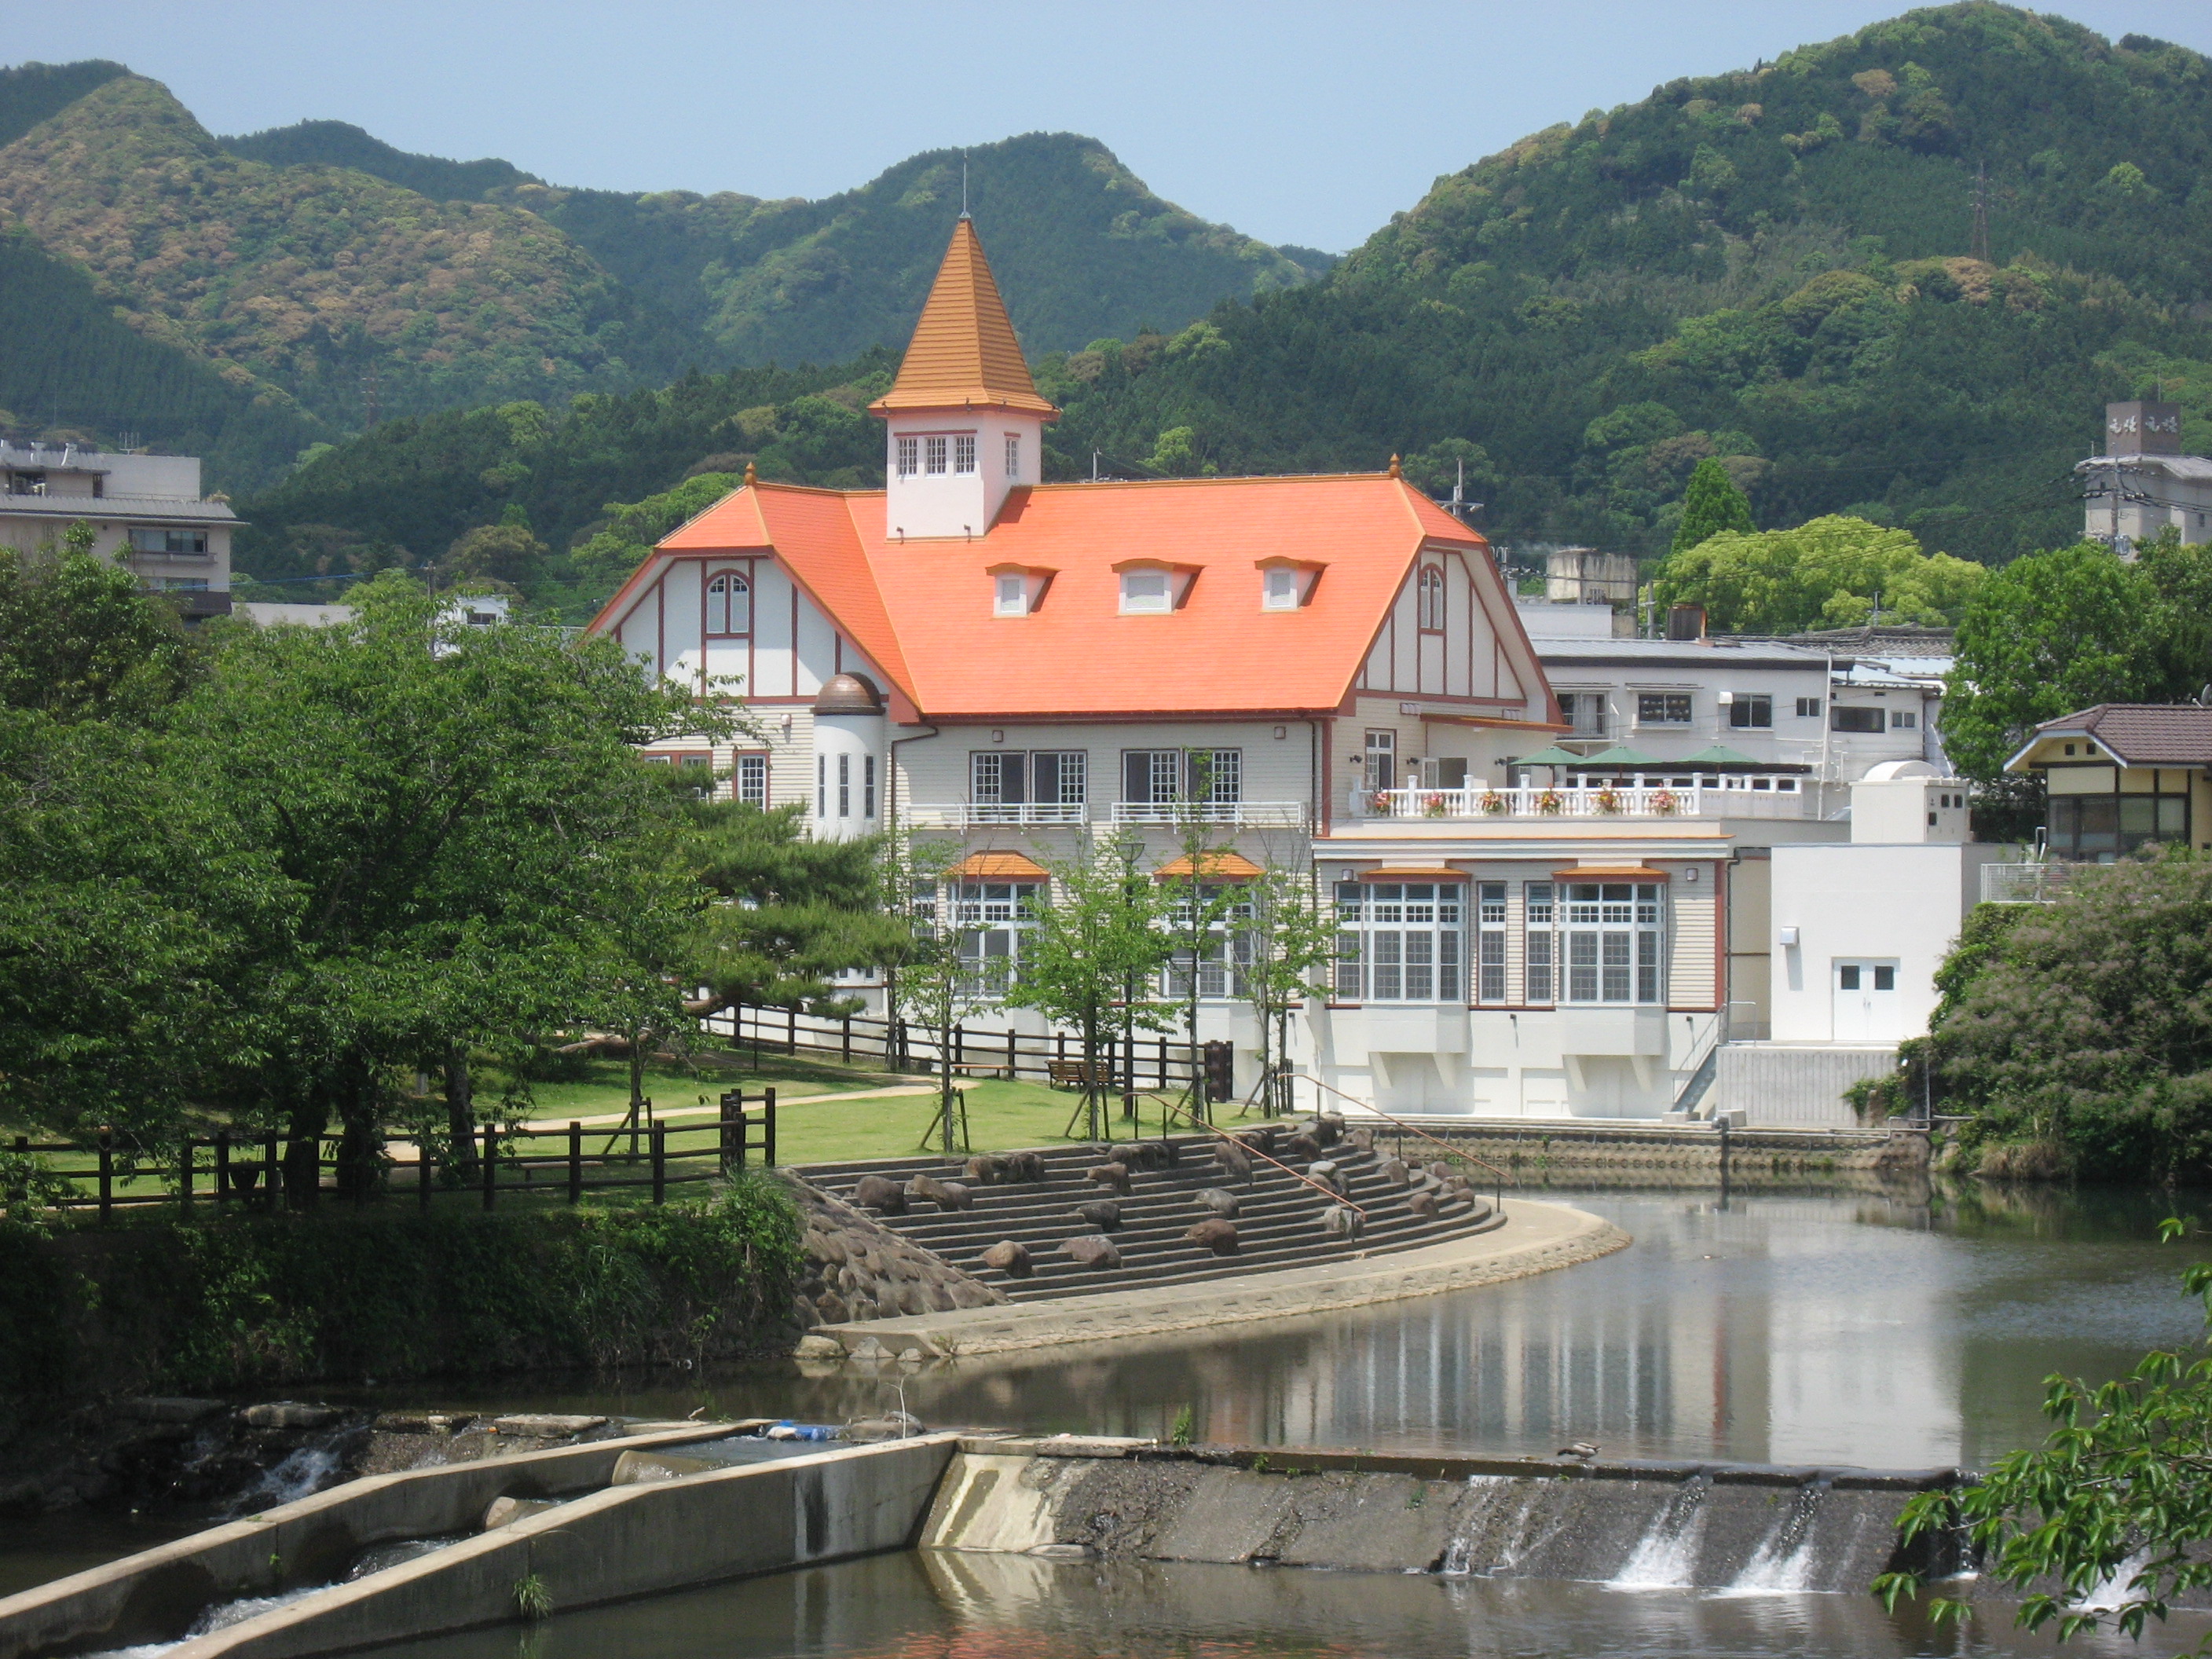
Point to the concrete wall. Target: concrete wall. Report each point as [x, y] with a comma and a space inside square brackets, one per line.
[1778, 1086]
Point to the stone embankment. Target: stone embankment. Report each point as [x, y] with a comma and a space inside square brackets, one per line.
[1535, 1150]
[858, 1268]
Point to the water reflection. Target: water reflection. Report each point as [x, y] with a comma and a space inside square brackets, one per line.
[1820, 1328]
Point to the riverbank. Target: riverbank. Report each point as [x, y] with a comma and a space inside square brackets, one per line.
[1535, 1238]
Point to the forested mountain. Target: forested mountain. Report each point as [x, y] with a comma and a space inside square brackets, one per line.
[327, 279]
[1773, 266]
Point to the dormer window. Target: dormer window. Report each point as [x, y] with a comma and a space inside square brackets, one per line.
[729, 604]
[1286, 583]
[1431, 598]
[1145, 591]
[1016, 589]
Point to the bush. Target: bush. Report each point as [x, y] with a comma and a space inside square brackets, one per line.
[266, 1300]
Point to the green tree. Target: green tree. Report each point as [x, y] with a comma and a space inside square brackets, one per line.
[1711, 504]
[2049, 634]
[1089, 956]
[1289, 932]
[940, 972]
[1831, 572]
[2084, 1031]
[506, 553]
[79, 638]
[440, 812]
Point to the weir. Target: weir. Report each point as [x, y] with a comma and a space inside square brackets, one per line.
[468, 1545]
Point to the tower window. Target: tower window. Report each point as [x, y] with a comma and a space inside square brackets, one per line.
[932, 452]
[1433, 597]
[909, 457]
[844, 786]
[964, 452]
[1014, 461]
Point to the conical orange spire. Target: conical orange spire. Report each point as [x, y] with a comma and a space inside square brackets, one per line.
[963, 352]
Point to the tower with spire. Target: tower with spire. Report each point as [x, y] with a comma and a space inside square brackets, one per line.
[964, 423]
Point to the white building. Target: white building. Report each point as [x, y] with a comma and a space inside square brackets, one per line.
[146, 511]
[2143, 484]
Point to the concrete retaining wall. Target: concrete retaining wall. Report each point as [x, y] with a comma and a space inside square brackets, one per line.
[153, 1596]
[1775, 1085]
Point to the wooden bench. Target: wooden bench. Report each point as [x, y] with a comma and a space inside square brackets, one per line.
[1075, 1074]
[980, 1067]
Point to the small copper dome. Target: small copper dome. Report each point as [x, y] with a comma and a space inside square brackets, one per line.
[848, 694]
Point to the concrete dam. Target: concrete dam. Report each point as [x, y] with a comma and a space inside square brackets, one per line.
[509, 1540]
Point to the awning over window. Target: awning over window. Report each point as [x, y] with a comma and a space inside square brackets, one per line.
[1212, 866]
[1411, 875]
[1619, 872]
[999, 866]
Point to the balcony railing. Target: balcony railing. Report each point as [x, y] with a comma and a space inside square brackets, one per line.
[1618, 801]
[2022, 883]
[1240, 814]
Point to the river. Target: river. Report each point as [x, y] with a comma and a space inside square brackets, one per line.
[1814, 1327]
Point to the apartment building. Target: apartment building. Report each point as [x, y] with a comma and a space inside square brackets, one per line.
[146, 511]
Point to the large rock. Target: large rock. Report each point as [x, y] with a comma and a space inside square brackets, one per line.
[1215, 1235]
[1341, 1221]
[1103, 1213]
[293, 1415]
[1422, 1203]
[1009, 1256]
[1221, 1203]
[1115, 1176]
[946, 1194]
[985, 1170]
[1090, 1252]
[545, 1425]
[1300, 1146]
[1326, 1171]
[1394, 1170]
[873, 1192]
[1233, 1159]
[1024, 1167]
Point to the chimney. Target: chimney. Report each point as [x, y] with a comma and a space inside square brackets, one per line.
[2143, 428]
[1686, 622]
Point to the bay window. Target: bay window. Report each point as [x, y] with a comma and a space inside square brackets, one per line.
[1612, 933]
[1400, 941]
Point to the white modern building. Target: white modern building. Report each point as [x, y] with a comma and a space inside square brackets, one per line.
[2143, 484]
[146, 511]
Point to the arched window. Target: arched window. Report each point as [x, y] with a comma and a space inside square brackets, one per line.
[729, 604]
[1432, 597]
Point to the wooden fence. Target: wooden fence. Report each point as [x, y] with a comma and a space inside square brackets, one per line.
[1145, 1061]
[252, 1174]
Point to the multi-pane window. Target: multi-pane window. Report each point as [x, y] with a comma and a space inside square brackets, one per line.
[844, 786]
[964, 452]
[2098, 828]
[1400, 941]
[1748, 711]
[1584, 711]
[933, 456]
[1431, 598]
[1013, 455]
[749, 781]
[909, 457]
[1540, 942]
[991, 917]
[1612, 932]
[867, 786]
[1162, 777]
[1489, 941]
[1808, 708]
[1050, 777]
[177, 544]
[1903, 719]
[729, 604]
[822, 786]
[1225, 956]
[1662, 708]
[1841, 719]
[1381, 759]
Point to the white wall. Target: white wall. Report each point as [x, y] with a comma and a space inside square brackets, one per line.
[1870, 903]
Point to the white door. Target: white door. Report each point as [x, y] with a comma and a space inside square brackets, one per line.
[1865, 1002]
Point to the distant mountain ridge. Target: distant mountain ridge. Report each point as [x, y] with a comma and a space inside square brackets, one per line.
[327, 278]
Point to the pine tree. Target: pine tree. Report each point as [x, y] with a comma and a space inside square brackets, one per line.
[1711, 504]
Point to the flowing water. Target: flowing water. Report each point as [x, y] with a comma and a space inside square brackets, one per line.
[1815, 1328]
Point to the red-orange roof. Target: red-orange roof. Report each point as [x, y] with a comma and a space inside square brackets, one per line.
[922, 611]
[964, 351]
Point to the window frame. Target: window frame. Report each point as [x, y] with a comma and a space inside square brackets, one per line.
[1279, 588]
[726, 591]
[1745, 706]
[1384, 953]
[746, 766]
[1611, 934]
[963, 454]
[907, 453]
[1860, 715]
[936, 454]
[1429, 606]
[1668, 702]
[1811, 708]
[1014, 456]
[1165, 598]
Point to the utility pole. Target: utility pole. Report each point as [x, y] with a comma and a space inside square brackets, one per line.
[1981, 233]
[371, 406]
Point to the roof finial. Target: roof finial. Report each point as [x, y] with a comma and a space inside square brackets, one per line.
[963, 187]
[751, 476]
[1397, 470]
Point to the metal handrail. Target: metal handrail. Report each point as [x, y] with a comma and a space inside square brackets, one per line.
[1408, 1128]
[1329, 1193]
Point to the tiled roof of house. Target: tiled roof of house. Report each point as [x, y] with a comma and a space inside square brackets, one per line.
[964, 350]
[2140, 733]
[923, 611]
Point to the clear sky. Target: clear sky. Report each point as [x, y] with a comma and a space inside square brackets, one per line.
[1293, 120]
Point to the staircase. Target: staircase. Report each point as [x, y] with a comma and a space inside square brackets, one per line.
[1277, 1222]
